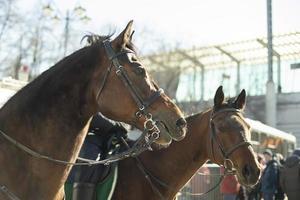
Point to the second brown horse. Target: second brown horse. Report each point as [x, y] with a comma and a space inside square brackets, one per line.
[175, 165]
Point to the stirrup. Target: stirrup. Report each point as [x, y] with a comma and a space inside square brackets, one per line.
[84, 191]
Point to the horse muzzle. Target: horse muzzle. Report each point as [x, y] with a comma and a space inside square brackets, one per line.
[169, 133]
[249, 175]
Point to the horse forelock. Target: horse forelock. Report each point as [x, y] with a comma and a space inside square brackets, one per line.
[95, 39]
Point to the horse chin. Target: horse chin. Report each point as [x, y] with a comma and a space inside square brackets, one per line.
[176, 133]
[164, 136]
[247, 182]
[164, 139]
[156, 146]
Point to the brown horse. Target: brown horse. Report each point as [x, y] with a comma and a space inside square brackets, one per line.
[52, 113]
[175, 165]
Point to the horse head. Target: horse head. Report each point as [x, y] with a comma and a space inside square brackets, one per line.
[230, 138]
[133, 97]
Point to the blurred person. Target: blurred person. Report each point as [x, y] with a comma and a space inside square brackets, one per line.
[269, 179]
[280, 161]
[229, 186]
[290, 176]
[261, 161]
[243, 194]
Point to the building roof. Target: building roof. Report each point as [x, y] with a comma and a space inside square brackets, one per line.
[247, 52]
[263, 128]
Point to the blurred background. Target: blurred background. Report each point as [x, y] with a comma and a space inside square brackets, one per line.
[37, 33]
[190, 47]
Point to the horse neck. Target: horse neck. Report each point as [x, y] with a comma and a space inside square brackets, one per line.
[60, 95]
[176, 164]
[49, 117]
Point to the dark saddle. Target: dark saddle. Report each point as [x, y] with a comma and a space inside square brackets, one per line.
[84, 182]
[96, 147]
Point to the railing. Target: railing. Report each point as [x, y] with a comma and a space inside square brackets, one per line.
[206, 178]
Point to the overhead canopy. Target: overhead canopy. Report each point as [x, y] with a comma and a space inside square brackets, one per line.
[247, 52]
[260, 127]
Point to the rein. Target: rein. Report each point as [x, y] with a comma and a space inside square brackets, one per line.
[151, 178]
[9, 194]
[139, 146]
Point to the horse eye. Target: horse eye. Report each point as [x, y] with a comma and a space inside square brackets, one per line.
[140, 71]
[134, 59]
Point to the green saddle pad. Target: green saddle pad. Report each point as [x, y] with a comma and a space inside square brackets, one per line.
[104, 190]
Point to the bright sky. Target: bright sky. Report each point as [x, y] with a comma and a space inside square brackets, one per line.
[188, 22]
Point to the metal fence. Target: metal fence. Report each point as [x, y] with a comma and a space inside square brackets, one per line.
[206, 178]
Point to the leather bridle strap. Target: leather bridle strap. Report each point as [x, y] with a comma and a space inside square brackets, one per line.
[235, 147]
[225, 153]
[122, 74]
[147, 174]
[8, 193]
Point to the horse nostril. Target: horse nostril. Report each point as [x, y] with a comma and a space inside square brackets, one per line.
[247, 171]
[181, 123]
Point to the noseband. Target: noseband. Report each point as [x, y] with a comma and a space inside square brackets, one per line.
[228, 164]
[149, 124]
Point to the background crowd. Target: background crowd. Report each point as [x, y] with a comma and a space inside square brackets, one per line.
[280, 179]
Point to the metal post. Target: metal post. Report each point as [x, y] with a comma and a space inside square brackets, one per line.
[275, 53]
[238, 64]
[66, 32]
[270, 40]
[202, 82]
[194, 84]
[238, 81]
[199, 64]
[271, 99]
[279, 88]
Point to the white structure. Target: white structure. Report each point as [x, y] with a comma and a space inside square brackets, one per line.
[8, 87]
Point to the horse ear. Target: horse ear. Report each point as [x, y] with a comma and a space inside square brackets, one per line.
[240, 101]
[125, 36]
[219, 97]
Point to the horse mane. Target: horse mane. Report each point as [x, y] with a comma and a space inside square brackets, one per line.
[95, 39]
[195, 116]
[58, 79]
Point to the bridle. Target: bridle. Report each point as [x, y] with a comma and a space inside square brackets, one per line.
[151, 130]
[228, 164]
[226, 153]
[142, 104]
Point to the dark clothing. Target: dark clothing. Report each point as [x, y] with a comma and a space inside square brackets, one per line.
[93, 148]
[279, 193]
[268, 196]
[254, 193]
[290, 177]
[269, 179]
[104, 126]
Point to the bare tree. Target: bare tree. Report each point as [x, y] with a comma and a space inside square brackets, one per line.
[152, 44]
[6, 15]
